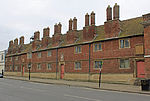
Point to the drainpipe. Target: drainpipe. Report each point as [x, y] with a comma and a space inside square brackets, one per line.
[89, 60]
[13, 63]
[56, 62]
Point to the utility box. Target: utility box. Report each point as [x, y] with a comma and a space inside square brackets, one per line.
[145, 85]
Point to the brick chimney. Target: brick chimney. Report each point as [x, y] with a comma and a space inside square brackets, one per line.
[46, 32]
[116, 11]
[109, 13]
[11, 43]
[87, 19]
[70, 24]
[16, 42]
[21, 40]
[59, 27]
[55, 28]
[92, 18]
[74, 23]
[37, 35]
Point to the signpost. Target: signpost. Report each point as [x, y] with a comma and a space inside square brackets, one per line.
[29, 67]
[100, 69]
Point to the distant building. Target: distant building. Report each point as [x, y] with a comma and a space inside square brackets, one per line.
[122, 46]
[2, 60]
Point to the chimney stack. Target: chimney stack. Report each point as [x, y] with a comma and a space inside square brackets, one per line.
[46, 32]
[55, 28]
[109, 13]
[70, 24]
[21, 40]
[74, 23]
[59, 27]
[11, 43]
[37, 35]
[16, 41]
[87, 19]
[116, 12]
[92, 18]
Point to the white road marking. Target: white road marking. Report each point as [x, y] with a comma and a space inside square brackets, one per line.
[89, 99]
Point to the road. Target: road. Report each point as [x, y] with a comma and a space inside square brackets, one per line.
[16, 90]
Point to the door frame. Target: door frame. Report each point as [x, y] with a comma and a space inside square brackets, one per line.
[137, 60]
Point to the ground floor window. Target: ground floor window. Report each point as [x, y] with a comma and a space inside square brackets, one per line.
[39, 66]
[124, 63]
[77, 65]
[49, 66]
[98, 64]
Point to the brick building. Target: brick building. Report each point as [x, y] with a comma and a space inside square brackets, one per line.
[122, 46]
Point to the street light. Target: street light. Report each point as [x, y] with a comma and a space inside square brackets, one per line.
[100, 69]
[29, 67]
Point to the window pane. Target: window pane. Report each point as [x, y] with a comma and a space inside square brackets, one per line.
[95, 47]
[121, 43]
[77, 65]
[76, 49]
[126, 63]
[49, 66]
[49, 53]
[100, 46]
[126, 43]
[121, 63]
[79, 49]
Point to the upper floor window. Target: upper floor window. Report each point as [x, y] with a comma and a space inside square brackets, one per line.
[29, 55]
[124, 63]
[49, 53]
[98, 64]
[78, 49]
[97, 46]
[77, 65]
[124, 43]
[39, 54]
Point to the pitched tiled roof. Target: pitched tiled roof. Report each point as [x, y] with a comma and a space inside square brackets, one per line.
[128, 28]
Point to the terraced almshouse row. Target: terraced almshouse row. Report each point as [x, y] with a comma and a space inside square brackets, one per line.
[122, 47]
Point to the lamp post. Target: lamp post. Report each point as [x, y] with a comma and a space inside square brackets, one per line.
[29, 67]
[100, 72]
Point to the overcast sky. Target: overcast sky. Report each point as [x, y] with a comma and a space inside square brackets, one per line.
[24, 17]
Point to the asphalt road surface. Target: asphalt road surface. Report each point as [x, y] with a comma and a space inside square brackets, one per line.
[16, 90]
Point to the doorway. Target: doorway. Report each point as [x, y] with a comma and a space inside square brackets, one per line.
[140, 69]
[62, 71]
[22, 70]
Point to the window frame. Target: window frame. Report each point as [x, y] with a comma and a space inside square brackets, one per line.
[49, 51]
[95, 64]
[39, 64]
[77, 49]
[77, 64]
[124, 63]
[97, 46]
[39, 54]
[48, 66]
[124, 45]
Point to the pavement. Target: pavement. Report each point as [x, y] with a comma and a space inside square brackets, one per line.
[104, 86]
[20, 90]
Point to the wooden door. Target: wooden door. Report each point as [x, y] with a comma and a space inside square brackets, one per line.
[140, 69]
[22, 70]
[62, 71]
